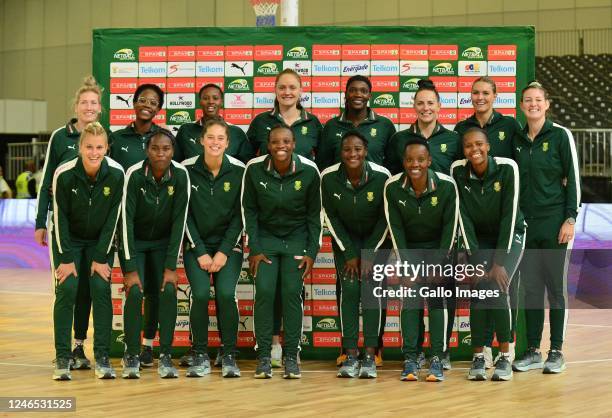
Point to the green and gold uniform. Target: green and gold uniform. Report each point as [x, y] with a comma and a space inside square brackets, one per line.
[85, 214]
[307, 132]
[375, 128]
[153, 223]
[283, 220]
[128, 147]
[444, 148]
[550, 194]
[423, 230]
[214, 224]
[188, 142]
[63, 146]
[355, 217]
[493, 231]
[500, 131]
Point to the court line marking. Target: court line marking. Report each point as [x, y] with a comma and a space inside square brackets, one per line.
[325, 371]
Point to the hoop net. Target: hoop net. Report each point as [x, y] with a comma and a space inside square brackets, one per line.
[265, 10]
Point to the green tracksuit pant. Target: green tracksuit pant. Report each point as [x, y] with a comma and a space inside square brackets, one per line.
[225, 281]
[150, 256]
[66, 297]
[494, 310]
[356, 291]
[286, 255]
[544, 269]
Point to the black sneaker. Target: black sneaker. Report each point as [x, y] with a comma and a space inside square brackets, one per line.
[436, 370]
[554, 362]
[264, 368]
[187, 359]
[146, 356]
[79, 361]
[62, 369]
[292, 369]
[131, 366]
[410, 371]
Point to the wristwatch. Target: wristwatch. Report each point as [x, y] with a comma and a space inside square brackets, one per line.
[571, 220]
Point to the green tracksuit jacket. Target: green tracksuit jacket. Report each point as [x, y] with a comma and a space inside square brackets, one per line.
[84, 210]
[153, 211]
[188, 142]
[427, 222]
[63, 146]
[350, 211]
[128, 147]
[307, 132]
[500, 130]
[444, 147]
[489, 208]
[214, 220]
[287, 207]
[548, 167]
[377, 130]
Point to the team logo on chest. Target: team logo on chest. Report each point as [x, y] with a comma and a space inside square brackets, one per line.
[370, 196]
[545, 146]
[227, 186]
[434, 201]
[304, 130]
[497, 186]
[170, 190]
[297, 185]
[502, 135]
[106, 191]
[443, 147]
[373, 132]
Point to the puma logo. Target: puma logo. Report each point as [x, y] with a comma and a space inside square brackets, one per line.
[193, 186]
[124, 149]
[339, 134]
[518, 149]
[235, 65]
[265, 185]
[192, 140]
[74, 191]
[467, 188]
[268, 128]
[73, 146]
[243, 323]
[126, 101]
[143, 191]
[518, 238]
[337, 195]
[402, 202]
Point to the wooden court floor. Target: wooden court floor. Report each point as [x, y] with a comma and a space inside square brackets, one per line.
[26, 350]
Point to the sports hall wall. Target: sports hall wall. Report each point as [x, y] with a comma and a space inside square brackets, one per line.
[244, 63]
[46, 45]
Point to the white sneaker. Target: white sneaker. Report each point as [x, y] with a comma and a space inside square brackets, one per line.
[276, 355]
[488, 356]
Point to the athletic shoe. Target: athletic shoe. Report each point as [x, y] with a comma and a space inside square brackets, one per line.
[503, 369]
[511, 353]
[218, 360]
[411, 371]
[166, 368]
[378, 358]
[436, 371]
[131, 366]
[488, 357]
[264, 368]
[79, 361]
[104, 369]
[62, 369]
[229, 366]
[292, 369]
[530, 360]
[276, 355]
[200, 366]
[341, 359]
[446, 363]
[421, 360]
[368, 367]
[146, 356]
[478, 369]
[187, 359]
[554, 362]
[350, 367]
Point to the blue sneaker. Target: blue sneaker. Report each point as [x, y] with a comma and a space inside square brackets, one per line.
[554, 363]
[411, 371]
[530, 360]
[436, 370]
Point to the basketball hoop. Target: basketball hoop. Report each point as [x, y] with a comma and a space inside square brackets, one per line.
[265, 10]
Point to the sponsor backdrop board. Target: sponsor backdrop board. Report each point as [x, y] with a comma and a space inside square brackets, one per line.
[244, 63]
